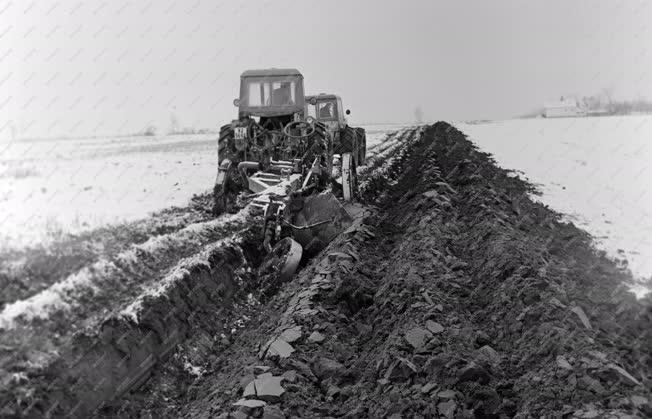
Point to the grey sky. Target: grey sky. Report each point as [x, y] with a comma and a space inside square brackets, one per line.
[100, 67]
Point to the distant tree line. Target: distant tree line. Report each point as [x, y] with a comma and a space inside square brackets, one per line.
[177, 129]
[601, 104]
[627, 107]
[605, 104]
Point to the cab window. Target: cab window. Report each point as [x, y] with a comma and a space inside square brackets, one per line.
[260, 92]
[283, 93]
[327, 110]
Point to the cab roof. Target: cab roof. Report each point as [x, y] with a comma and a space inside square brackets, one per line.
[321, 96]
[272, 72]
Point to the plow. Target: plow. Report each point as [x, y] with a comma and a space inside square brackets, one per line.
[294, 158]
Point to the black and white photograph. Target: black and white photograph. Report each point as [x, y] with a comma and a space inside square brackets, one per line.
[285, 209]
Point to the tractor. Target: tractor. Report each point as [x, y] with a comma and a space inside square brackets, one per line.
[348, 142]
[271, 135]
[285, 159]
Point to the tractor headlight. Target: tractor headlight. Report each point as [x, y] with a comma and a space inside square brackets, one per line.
[310, 120]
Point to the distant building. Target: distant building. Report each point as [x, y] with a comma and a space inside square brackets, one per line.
[562, 108]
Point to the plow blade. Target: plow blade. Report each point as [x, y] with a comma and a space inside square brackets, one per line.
[279, 266]
[315, 220]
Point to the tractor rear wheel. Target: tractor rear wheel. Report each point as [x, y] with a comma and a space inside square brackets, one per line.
[348, 143]
[349, 176]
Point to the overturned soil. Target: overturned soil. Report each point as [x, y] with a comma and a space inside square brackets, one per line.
[454, 295]
[25, 272]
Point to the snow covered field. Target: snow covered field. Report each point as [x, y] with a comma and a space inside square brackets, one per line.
[597, 171]
[70, 185]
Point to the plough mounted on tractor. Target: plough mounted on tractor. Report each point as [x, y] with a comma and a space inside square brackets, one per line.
[295, 155]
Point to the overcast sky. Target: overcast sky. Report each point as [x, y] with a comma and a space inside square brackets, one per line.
[100, 67]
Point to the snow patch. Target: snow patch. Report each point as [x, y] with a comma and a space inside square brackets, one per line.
[156, 289]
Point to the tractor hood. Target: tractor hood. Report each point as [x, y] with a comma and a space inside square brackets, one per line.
[269, 111]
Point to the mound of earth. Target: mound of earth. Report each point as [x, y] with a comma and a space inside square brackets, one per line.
[99, 311]
[453, 295]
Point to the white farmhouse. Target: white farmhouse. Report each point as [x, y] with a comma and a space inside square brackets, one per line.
[561, 108]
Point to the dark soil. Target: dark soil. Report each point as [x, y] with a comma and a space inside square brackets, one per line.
[457, 296]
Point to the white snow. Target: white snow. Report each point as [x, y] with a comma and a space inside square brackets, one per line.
[52, 186]
[133, 309]
[377, 133]
[386, 150]
[96, 278]
[194, 370]
[597, 171]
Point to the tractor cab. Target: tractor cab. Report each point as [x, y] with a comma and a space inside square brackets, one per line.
[271, 93]
[328, 110]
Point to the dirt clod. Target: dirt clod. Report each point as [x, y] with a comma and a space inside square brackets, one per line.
[427, 388]
[447, 394]
[489, 355]
[447, 409]
[266, 387]
[563, 363]
[582, 316]
[327, 368]
[474, 372]
[316, 337]
[279, 348]
[434, 327]
[417, 337]
[292, 335]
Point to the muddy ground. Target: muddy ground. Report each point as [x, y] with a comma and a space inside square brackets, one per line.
[452, 295]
